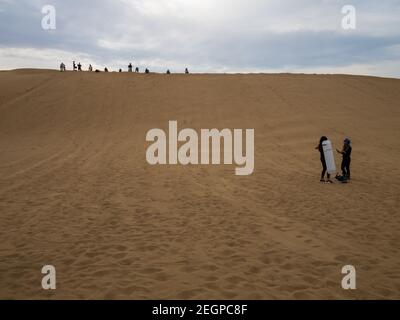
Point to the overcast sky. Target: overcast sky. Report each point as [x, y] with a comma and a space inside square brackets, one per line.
[204, 35]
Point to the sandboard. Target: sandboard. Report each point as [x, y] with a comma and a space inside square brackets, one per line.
[341, 179]
[329, 158]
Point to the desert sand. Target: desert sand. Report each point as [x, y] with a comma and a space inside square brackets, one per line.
[76, 191]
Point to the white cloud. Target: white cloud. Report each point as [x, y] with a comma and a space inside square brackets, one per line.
[15, 58]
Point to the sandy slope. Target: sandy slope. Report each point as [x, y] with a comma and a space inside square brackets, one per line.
[77, 192]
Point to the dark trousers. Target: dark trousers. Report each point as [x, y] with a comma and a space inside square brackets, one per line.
[346, 168]
[324, 170]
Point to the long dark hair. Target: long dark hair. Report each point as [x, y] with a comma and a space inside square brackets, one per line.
[323, 138]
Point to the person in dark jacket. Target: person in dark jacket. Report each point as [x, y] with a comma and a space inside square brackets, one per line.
[346, 160]
[323, 162]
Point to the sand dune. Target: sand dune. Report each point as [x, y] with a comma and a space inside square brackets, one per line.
[76, 190]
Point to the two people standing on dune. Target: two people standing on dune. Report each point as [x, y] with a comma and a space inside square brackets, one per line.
[130, 68]
[74, 66]
[346, 160]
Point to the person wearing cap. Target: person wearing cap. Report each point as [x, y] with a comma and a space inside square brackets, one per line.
[346, 160]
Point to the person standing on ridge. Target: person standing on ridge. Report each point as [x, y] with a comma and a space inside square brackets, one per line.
[130, 67]
[74, 65]
[79, 67]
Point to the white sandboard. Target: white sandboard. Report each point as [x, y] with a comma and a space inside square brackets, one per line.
[329, 158]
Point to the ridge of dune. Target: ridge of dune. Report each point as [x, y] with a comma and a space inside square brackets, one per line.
[76, 190]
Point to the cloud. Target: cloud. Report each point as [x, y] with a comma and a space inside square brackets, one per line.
[40, 58]
[205, 35]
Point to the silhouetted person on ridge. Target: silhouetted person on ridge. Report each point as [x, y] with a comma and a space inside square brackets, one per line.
[90, 68]
[74, 65]
[79, 67]
[105, 69]
[147, 71]
[130, 67]
[62, 67]
[186, 71]
[137, 70]
[168, 72]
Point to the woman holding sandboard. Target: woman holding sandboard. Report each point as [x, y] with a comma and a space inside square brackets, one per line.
[328, 164]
